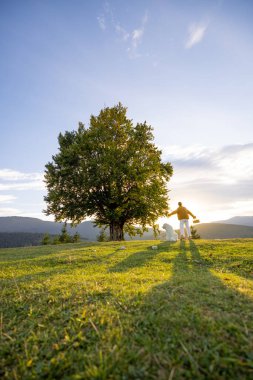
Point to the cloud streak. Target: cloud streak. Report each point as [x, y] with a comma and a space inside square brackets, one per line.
[132, 38]
[15, 180]
[218, 182]
[215, 183]
[196, 33]
[7, 198]
[30, 188]
[101, 22]
[9, 211]
[136, 37]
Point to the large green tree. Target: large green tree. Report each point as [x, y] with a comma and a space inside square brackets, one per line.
[111, 172]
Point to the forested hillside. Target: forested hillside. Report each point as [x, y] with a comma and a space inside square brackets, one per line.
[223, 231]
[23, 231]
[19, 239]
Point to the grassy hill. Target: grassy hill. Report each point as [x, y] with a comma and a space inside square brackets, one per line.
[108, 311]
[20, 239]
[223, 231]
[19, 225]
[242, 220]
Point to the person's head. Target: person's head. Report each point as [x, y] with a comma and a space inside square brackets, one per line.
[179, 203]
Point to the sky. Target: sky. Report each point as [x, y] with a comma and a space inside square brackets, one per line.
[184, 66]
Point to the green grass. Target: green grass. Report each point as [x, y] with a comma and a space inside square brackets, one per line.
[95, 311]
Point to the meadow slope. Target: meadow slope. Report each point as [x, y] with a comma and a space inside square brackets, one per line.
[96, 311]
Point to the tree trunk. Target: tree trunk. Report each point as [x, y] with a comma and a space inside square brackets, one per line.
[116, 231]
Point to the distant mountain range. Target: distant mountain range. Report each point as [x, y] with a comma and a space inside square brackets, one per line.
[236, 227]
[14, 224]
[20, 239]
[29, 231]
[240, 220]
[22, 231]
[223, 231]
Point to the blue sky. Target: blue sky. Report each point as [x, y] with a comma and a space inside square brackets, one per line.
[184, 66]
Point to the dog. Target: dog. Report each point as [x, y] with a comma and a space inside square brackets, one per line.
[171, 235]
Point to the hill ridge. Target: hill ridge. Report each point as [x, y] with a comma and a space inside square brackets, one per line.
[223, 231]
[238, 220]
[87, 230]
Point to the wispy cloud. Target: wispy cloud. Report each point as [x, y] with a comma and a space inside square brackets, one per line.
[218, 182]
[132, 38]
[9, 211]
[7, 198]
[101, 22]
[124, 35]
[136, 38]
[15, 180]
[229, 164]
[34, 185]
[106, 17]
[215, 183]
[196, 33]
[30, 188]
[13, 175]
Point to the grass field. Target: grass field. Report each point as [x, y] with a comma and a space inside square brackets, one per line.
[96, 311]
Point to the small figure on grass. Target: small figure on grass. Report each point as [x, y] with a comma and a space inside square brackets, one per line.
[183, 217]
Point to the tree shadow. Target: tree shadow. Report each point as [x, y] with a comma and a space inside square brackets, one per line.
[239, 262]
[26, 254]
[195, 322]
[134, 260]
[191, 326]
[62, 265]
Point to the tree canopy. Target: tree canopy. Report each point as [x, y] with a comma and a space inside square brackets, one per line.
[111, 172]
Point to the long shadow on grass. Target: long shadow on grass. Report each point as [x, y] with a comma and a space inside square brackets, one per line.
[26, 254]
[134, 260]
[194, 326]
[190, 327]
[59, 266]
[236, 258]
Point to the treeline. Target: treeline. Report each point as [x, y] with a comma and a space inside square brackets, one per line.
[63, 238]
[26, 239]
[19, 239]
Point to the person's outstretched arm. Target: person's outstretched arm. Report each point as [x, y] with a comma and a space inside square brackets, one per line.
[190, 213]
[172, 213]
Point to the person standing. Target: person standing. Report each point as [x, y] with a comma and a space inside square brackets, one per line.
[183, 217]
